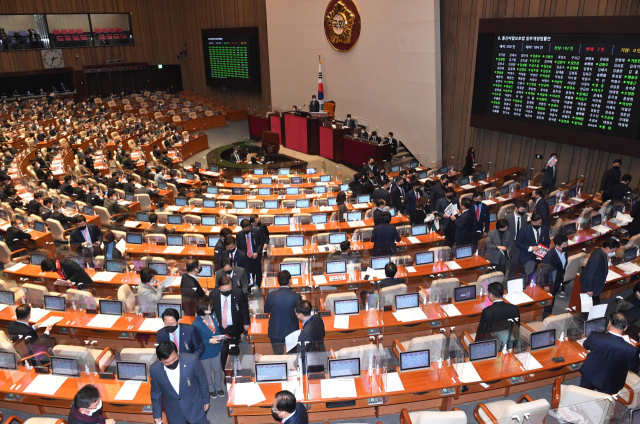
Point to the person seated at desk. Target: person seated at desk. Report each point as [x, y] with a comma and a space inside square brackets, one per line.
[362, 134]
[33, 207]
[356, 186]
[52, 183]
[79, 191]
[375, 138]
[146, 189]
[184, 336]
[68, 270]
[41, 173]
[314, 104]
[15, 237]
[109, 246]
[66, 188]
[285, 409]
[86, 235]
[344, 254]
[87, 407]
[295, 111]
[498, 316]
[154, 228]
[149, 290]
[385, 236]
[111, 203]
[21, 329]
[618, 192]
[390, 271]
[237, 274]
[349, 123]
[610, 358]
[235, 156]
[93, 197]
[280, 304]
[58, 215]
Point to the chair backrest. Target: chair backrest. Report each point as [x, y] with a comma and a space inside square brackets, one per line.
[505, 209]
[559, 322]
[56, 230]
[145, 202]
[520, 409]
[193, 219]
[5, 253]
[331, 298]
[486, 279]
[435, 343]
[557, 226]
[289, 359]
[366, 353]
[128, 299]
[138, 354]
[103, 214]
[573, 266]
[388, 294]
[575, 395]
[443, 288]
[81, 353]
[440, 417]
[82, 299]
[155, 239]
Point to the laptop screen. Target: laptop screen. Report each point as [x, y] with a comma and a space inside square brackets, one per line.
[414, 360]
[504, 190]
[174, 219]
[295, 269]
[296, 180]
[269, 372]
[271, 204]
[293, 191]
[332, 201]
[262, 191]
[87, 210]
[134, 238]
[599, 325]
[354, 216]
[237, 180]
[464, 180]
[159, 267]
[37, 258]
[319, 218]
[237, 191]
[419, 230]
[110, 307]
[344, 367]
[212, 190]
[8, 361]
[64, 366]
[209, 203]
[337, 238]
[281, 220]
[240, 204]
[551, 201]
[206, 271]
[131, 371]
[55, 303]
[266, 180]
[174, 240]
[380, 262]
[482, 175]
[346, 307]
[213, 240]
[142, 216]
[543, 339]
[209, 220]
[424, 258]
[38, 226]
[364, 198]
[404, 301]
[303, 203]
[483, 350]
[336, 267]
[283, 171]
[596, 220]
[181, 201]
[463, 252]
[573, 192]
[312, 171]
[569, 229]
[258, 171]
[630, 254]
[319, 189]
[164, 306]
[189, 175]
[295, 241]
[325, 178]
[114, 266]
[7, 297]
[213, 168]
[524, 183]
[464, 293]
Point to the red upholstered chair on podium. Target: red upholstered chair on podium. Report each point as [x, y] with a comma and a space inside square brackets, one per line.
[330, 109]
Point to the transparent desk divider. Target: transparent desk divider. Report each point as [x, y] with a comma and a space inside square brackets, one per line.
[574, 409]
[134, 355]
[10, 368]
[241, 361]
[455, 352]
[531, 417]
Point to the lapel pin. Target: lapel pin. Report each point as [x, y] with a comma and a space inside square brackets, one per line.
[188, 382]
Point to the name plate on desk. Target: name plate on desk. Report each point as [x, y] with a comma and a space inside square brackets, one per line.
[337, 277]
[92, 311]
[262, 316]
[41, 370]
[107, 376]
[324, 313]
[149, 314]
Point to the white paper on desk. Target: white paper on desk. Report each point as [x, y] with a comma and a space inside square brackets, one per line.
[37, 314]
[121, 245]
[601, 228]
[467, 372]
[413, 240]
[629, 268]
[49, 321]
[393, 383]
[326, 208]
[501, 199]
[611, 275]
[173, 249]
[319, 226]
[341, 321]
[248, 394]
[293, 387]
[171, 281]
[103, 321]
[196, 210]
[411, 269]
[174, 208]
[586, 302]
[528, 361]
[215, 229]
[291, 340]
[151, 324]
[338, 388]
[518, 298]
[224, 196]
[361, 206]
[16, 267]
[410, 314]
[2, 307]
[237, 229]
[131, 224]
[45, 384]
[319, 279]
[105, 276]
[467, 186]
[374, 273]
[597, 311]
[514, 286]
[295, 210]
[452, 265]
[128, 390]
[451, 310]
[577, 199]
[483, 182]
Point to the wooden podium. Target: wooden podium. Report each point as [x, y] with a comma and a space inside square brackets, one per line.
[270, 142]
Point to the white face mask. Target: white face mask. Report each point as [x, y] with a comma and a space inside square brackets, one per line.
[97, 408]
[611, 254]
[21, 226]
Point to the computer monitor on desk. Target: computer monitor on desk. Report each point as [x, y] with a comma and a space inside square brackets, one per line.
[164, 306]
[599, 325]
[405, 301]
[294, 268]
[346, 307]
[110, 307]
[135, 371]
[335, 267]
[8, 361]
[344, 367]
[480, 351]
[271, 372]
[543, 339]
[64, 366]
[415, 360]
[337, 238]
[7, 297]
[55, 303]
[464, 293]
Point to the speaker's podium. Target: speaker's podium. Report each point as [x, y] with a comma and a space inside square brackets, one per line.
[300, 133]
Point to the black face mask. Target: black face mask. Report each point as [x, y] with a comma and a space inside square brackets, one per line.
[174, 365]
[536, 227]
[477, 202]
[171, 328]
[522, 213]
[229, 272]
[82, 228]
[449, 197]
[225, 293]
[275, 416]
[247, 231]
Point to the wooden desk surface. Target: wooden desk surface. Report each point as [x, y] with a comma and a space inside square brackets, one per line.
[249, 211]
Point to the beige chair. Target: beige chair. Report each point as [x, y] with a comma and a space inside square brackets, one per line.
[145, 202]
[443, 288]
[18, 293]
[35, 293]
[7, 257]
[557, 226]
[331, 298]
[103, 214]
[192, 219]
[34, 420]
[128, 299]
[429, 417]
[157, 239]
[436, 343]
[573, 396]
[559, 322]
[505, 209]
[95, 359]
[503, 410]
[289, 359]
[194, 240]
[366, 353]
[388, 294]
[486, 279]
[185, 136]
[57, 231]
[82, 299]
[229, 219]
[138, 354]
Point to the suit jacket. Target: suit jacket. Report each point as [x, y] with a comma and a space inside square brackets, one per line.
[594, 275]
[375, 138]
[79, 194]
[542, 207]
[188, 406]
[610, 358]
[52, 184]
[511, 219]
[468, 165]
[373, 169]
[616, 192]
[364, 135]
[442, 205]
[235, 157]
[94, 200]
[384, 238]
[410, 200]
[111, 206]
[388, 282]
[33, 207]
[67, 189]
[300, 416]
[157, 229]
[314, 106]
[548, 177]
[495, 318]
[264, 229]
[75, 273]
[356, 187]
[526, 238]
[239, 311]
[62, 219]
[115, 253]
[611, 176]
[239, 278]
[257, 243]
[76, 236]
[383, 194]
[376, 216]
[396, 195]
[484, 222]
[493, 240]
[189, 340]
[191, 291]
[553, 258]
[239, 258]
[350, 123]
[12, 236]
[45, 213]
[437, 192]
[282, 318]
[16, 329]
[313, 333]
[464, 227]
[634, 226]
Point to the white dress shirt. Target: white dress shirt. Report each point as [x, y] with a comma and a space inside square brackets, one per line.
[174, 377]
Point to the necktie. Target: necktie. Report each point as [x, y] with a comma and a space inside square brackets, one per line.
[85, 233]
[477, 213]
[249, 250]
[174, 339]
[225, 311]
[517, 226]
[536, 233]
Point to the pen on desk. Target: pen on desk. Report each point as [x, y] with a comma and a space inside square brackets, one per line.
[11, 388]
[19, 385]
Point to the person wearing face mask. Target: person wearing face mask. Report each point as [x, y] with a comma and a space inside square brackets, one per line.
[382, 177]
[528, 240]
[93, 197]
[282, 318]
[498, 316]
[550, 174]
[396, 194]
[238, 257]
[470, 162]
[179, 383]
[499, 245]
[206, 323]
[149, 290]
[449, 198]
[285, 409]
[618, 192]
[237, 274]
[557, 258]
[154, 228]
[611, 176]
[86, 235]
[517, 219]
[382, 193]
[190, 287]
[184, 336]
[232, 310]
[594, 275]
[68, 270]
[541, 207]
[256, 222]
[52, 183]
[87, 407]
[59, 216]
[251, 242]
[15, 236]
[33, 207]
[481, 218]
[311, 337]
[437, 192]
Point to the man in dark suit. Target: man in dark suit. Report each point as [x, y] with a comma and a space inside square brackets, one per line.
[15, 235]
[594, 275]
[59, 216]
[235, 156]
[238, 256]
[371, 296]
[33, 207]
[370, 166]
[396, 194]
[286, 409]
[314, 104]
[412, 197]
[463, 222]
[611, 176]
[232, 311]
[369, 185]
[20, 329]
[556, 258]
[256, 222]
[375, 138]
[250, 241]
[185, 392]
[282, 319]
[497, 317]
[238, 275]
[356, 186]
[393, 142]
[146, 189]
[66, 188]
[610, 358]
[312, 333]
[344, 254]
[377, 211]
[619, 191]
[437, 192]
[52, 183]
[87, 235]
[481, 219]
[443, 203]
[549, 175]
[517, 220]
[220, 251]
[528, 241]
[190, 288]
[541, 207]
[79, 191]
[113, 179]
[111, 203]
[45, 210]
[349, 123]
[382, 193]
[362, 134]
[68, 270]
[93, 198]
[185, 336]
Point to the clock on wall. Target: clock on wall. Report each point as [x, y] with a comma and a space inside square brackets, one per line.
[52, 58]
